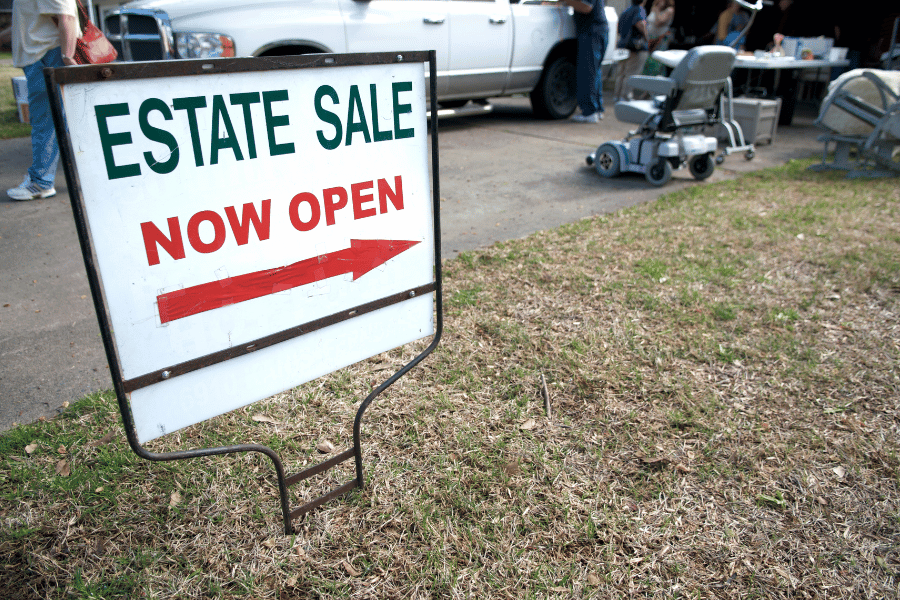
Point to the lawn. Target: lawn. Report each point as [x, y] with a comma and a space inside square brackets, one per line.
[722, 373]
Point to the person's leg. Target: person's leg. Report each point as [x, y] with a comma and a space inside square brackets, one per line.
[633, 66]
[626, 69]
[44, 149]
[601, 36]
[585, 75]
[621, 70]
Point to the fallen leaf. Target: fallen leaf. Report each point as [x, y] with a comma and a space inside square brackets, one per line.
[264, 419]
[269, 543]
[593, 579]
[102, 441]
[512, 468]
[61, 449]
[683, 469]
[350, 570]
[528, 425]
[98, 490]
[653, 463]
[174, 499]
[31, 447]
[63, 469]
[325, 447]
[559, 590]
[840, 472]
[786, 575]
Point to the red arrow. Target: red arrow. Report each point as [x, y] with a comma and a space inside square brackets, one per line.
[361, 257]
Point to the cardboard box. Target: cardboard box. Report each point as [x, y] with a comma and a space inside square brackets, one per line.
[758, 119]
[20, 92]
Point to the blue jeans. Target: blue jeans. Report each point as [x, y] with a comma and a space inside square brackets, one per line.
[44, 149]
[588, 78]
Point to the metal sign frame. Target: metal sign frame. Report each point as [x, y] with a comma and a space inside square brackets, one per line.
[58, 77]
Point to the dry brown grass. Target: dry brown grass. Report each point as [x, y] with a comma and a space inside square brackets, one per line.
[723, 368]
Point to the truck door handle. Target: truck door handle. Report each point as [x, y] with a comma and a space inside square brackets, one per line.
[498, 20]
[433, 21]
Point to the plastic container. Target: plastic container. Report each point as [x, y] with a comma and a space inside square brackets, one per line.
[800, 48]
[758, 119]
[20, 92]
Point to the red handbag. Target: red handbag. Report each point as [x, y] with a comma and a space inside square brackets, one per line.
[92, 48]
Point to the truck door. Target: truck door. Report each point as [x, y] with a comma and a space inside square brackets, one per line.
[397, 25]
[481, 34]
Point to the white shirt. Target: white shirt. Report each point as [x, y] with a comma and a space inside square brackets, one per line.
[33, 31]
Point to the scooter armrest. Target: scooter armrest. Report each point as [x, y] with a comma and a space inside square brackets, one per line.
[654, 85]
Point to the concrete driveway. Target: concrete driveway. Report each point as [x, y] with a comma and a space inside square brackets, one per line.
[502, 176]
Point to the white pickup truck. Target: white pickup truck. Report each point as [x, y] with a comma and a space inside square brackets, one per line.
[485, 48]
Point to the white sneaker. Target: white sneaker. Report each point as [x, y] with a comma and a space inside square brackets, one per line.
[27, 190]
[592, 118]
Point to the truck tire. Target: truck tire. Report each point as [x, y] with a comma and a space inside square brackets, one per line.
[554, 96]
[290, 51]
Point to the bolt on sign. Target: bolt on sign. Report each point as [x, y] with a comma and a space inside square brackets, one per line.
[250, 224]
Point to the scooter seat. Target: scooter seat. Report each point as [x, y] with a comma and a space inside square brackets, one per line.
[636, 111]
[689, 118]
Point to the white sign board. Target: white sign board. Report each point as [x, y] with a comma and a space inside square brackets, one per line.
[224, 208]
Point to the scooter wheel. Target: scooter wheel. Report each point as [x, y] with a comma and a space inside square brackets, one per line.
[589, 159]
[720, 159]
[606, 161]
[750, 154]
[701, 166]
[659, 173]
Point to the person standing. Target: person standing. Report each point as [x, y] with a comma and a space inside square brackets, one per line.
[43, 35]
[659, 32]
[591, 33]
[632, 37]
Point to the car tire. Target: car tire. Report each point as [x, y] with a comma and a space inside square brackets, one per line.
[607, 161]
[554, 96]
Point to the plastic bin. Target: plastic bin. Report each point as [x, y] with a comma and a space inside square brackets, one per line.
[20, 93]
[819, 47]
[758, 119]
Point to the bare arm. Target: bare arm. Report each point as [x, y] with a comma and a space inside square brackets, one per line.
[68, 33]
[642, 27]
[665, 17]
[6, 36]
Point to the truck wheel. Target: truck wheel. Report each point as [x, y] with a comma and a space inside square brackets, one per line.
[554, 96]
[659, 173]
[701, 166]
[452, 103]
[606, 160]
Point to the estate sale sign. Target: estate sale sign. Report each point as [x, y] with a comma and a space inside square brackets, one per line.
[225, 209]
